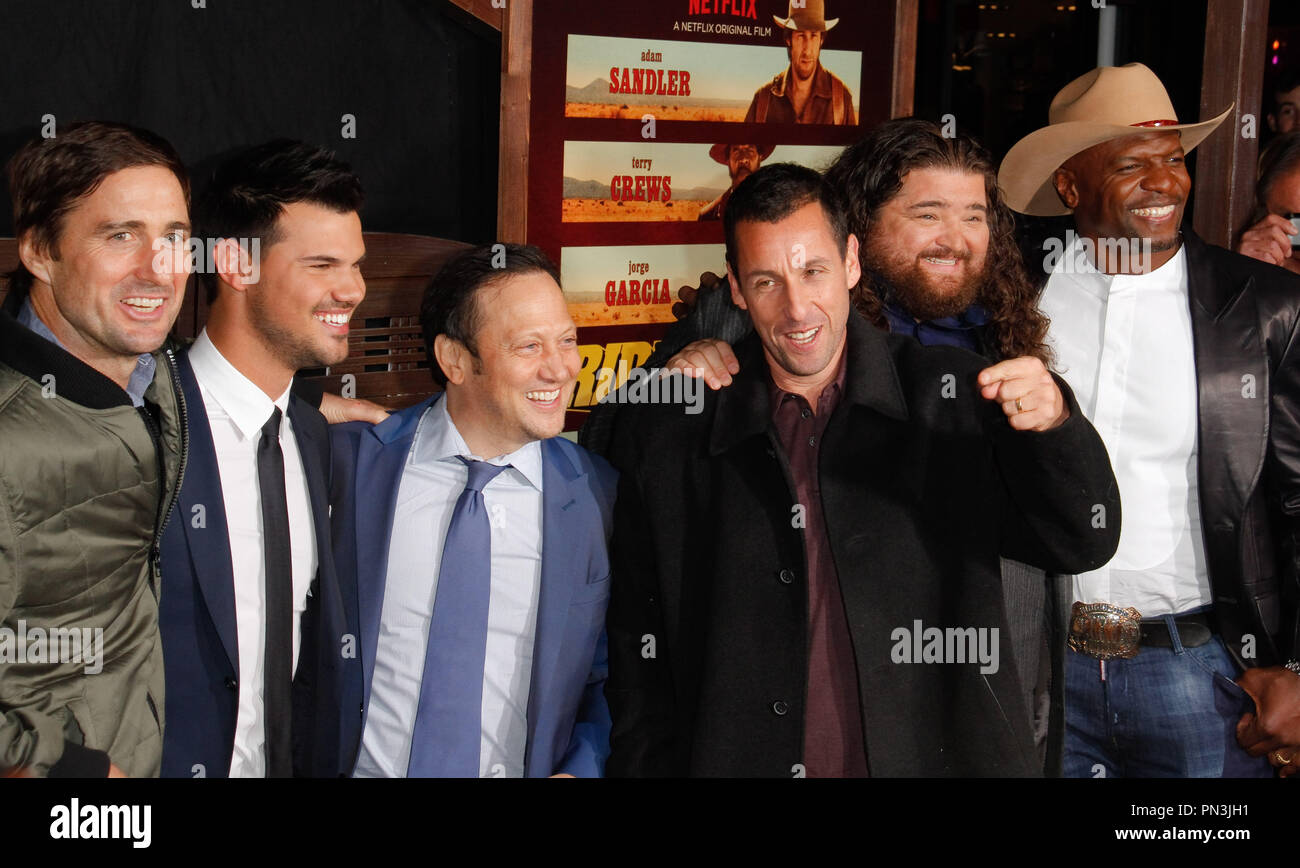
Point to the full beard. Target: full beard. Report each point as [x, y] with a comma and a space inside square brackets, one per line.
[910, 288]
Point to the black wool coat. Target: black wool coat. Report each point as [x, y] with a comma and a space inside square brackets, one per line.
[924, 485]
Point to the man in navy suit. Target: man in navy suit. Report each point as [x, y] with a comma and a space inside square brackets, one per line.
[255, 639]
[478, 538]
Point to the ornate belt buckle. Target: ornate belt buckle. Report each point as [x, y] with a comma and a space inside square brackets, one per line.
[1104, 631]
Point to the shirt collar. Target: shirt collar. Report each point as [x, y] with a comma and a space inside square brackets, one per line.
[829, 395]
[1171, 275]
[141, 374]
[972, 317]
[439, 440]
[1075, 261]
[244, 402]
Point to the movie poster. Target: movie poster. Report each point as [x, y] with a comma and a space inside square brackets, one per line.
[644, 118]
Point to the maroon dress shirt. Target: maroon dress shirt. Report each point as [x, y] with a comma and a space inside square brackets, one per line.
[833, 742]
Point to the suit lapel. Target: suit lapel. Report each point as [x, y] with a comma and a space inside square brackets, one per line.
[309, 447]
[202, 509]
[381, 457]
[563, 521]
[1232, 387]
[311, 436]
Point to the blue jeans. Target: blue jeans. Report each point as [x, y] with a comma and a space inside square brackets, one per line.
[1166, 713]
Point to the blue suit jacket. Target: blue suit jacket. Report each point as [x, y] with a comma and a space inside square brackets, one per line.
[568, 720]
[197, 612]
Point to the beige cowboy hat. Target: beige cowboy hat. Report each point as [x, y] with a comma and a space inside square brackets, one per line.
[1106, 103]
[806, 15]
[719, 152]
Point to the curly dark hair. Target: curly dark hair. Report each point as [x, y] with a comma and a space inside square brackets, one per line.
[871, 173]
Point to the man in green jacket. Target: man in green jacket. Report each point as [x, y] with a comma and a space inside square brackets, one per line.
[92, 424]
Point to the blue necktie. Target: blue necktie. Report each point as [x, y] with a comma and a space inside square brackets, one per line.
[448, 720]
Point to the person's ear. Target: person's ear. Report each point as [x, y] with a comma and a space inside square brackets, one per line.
[852, 266]
[453, 358]
[35, 260]
[736, 297]
[232, 264]
[1067, 188]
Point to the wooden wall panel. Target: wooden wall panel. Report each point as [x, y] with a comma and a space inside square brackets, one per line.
[1235, 36]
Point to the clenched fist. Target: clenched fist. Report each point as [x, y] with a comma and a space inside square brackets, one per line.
[1027, 392]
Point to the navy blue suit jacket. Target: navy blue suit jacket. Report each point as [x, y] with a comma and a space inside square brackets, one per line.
[568, 720]
[197, 612]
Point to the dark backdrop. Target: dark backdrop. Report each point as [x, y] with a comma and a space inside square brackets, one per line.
[997, 65]
[421, 78]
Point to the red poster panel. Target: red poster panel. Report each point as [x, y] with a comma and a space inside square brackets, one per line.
[644, 117]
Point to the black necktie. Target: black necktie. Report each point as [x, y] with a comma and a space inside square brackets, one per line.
[279, 599]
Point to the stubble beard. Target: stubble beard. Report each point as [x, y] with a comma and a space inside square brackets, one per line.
[294, 350]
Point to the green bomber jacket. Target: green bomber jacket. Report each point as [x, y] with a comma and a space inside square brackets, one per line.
[86, 485]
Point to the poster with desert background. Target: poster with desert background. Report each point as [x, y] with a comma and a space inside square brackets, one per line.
[632, 285]
[657, 181]
[616, 77]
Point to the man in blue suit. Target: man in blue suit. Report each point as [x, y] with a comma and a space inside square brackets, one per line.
[255, 636]
[478, 538]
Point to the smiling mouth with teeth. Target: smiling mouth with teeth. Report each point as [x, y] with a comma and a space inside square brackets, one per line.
[144, 304]
[338, 319]
[542, 397]
[803, 337]
[1161, 211]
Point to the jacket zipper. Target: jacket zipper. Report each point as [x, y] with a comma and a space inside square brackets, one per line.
[165, 511]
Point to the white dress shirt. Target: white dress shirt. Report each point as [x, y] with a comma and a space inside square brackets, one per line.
[237, 410]
[1124, 344]
[432, 482]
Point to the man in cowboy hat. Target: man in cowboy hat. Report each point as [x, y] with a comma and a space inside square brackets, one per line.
[806, 92]
[1185, 357]
[741, 162]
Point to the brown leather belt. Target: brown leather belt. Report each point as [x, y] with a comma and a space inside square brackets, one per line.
[1106, 631]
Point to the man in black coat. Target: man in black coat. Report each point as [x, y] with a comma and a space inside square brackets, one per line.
[939, 262]
[1184, 355]
[840, 613]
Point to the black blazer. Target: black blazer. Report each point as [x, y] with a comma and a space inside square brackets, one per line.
[924, 485]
